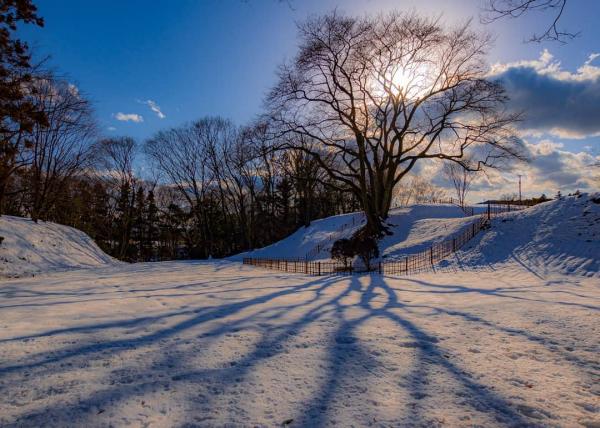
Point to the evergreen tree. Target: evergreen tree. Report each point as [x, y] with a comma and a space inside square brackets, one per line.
[138, 224]
[123, 221]
[152, 234]
[18, 113]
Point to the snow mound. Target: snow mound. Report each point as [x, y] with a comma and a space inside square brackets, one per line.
[324, 231]
[413, 228]
[561, 235]
[29, 248]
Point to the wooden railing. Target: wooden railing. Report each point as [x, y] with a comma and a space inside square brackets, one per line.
[410, 264]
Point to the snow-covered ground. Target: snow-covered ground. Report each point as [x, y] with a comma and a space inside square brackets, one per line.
[218, 343]
[505, 333]
[29, 248]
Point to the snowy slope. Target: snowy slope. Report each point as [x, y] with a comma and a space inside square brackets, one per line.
[414, 228]
[417, 227]
[306, 238]
[561, 235]
[29, 248]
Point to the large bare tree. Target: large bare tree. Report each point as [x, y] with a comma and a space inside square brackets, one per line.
[381, 93]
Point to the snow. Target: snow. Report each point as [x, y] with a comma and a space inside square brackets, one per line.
[323, 231]
[30, 248]
[417, 227]
[506, 333]
[222, 344]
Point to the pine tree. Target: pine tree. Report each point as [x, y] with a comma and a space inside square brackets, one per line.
[18, 114]
[123, 221]
[152, 234]
[138, 225]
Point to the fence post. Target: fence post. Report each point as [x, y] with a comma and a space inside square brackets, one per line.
[406, 263]
[431, 254]
[489, 211]
[319, 266]
[306, 267]
[473, 230]
[379, 268]
[454, 244]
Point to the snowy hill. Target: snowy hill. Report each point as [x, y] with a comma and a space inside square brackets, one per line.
[414, 228]
[556, 236]
[29, 248]
[561, 235]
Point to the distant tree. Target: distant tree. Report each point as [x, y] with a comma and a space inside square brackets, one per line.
[115, 157]
[498, 9]
[61, 148]
[18, 112]
[152, 234]
[139, 224]
[460, 178]
[183, 155]
[378, 94]
[418, 191]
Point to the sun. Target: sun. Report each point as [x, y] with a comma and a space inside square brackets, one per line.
[407, 82]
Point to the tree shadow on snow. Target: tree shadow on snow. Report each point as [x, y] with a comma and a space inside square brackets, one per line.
[347, 367]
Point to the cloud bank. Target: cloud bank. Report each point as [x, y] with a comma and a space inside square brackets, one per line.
[550, 168]
[553, 101]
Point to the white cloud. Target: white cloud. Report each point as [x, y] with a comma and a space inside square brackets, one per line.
[129, 117]
[111, 128]
[154, 107]
[547, 65]
[553, 101]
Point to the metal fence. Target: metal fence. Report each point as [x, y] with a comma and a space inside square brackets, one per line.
[326, 245]
[410, 264]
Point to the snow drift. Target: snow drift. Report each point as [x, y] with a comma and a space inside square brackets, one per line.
[557, 236]
[29, 248]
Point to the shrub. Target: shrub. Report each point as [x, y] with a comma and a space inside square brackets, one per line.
[365, 246]
[343, 250]
[362, 244]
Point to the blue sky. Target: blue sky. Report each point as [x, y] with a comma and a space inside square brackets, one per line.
[196, 58]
